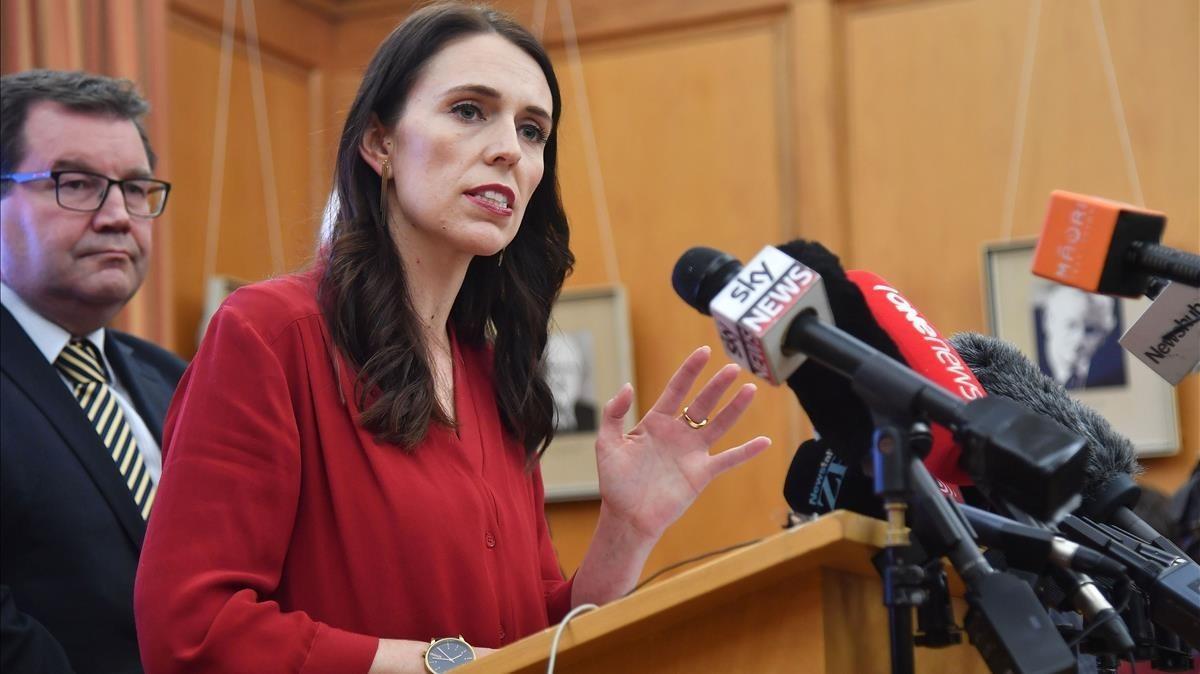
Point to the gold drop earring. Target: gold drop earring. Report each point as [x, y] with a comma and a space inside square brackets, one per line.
[385, 175]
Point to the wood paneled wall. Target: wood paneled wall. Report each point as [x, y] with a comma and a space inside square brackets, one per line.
[931, 93]
[690, 142]
[882, 128]
[294, 91]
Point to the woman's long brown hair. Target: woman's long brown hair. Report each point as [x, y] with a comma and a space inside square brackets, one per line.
[364, 293]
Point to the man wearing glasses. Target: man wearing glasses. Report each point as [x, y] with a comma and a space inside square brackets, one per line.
[81, 405]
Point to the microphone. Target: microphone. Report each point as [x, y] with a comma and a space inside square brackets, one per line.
[837, 413]
[1164, 336]
[754, 306]
[820, 480]
[926, 352]
[1107, 247]
[767, 320]
[826, 473]
[767, 316]
[1030, 548]
[1173, 586]
[1109, 491]
[880, 315]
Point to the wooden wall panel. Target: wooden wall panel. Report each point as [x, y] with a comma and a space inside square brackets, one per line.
[295, 32]
[243, 250]
[687, 127]
[931, 97]
[593, 19]
[927, 145]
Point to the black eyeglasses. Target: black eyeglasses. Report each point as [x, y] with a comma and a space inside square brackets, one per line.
[86, 191]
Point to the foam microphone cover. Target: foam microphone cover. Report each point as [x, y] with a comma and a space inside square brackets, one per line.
[821, 480]
[837, 413]
[1004, 371]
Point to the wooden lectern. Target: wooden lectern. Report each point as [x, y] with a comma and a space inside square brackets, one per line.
[803, 600]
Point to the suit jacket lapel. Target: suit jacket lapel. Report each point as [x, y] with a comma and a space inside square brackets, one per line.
[151, 393]
[27, 368]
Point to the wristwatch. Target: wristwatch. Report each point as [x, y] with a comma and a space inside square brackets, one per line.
[447, 653]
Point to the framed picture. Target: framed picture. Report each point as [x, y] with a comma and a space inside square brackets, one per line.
[588, 358]
[1072, 336]
[216, 289]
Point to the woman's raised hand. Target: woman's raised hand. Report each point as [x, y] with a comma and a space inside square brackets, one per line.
[652, 474]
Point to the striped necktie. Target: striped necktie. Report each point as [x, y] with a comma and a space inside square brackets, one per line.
[81, 364]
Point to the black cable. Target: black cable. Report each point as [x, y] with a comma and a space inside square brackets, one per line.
[690, 560]
[1127, 586]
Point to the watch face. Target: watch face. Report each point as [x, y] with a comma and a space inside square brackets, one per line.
[446, 654]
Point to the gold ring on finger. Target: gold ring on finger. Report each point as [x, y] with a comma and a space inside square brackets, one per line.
[692, 422]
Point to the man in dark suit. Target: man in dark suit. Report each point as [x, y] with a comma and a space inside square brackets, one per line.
[81, 405]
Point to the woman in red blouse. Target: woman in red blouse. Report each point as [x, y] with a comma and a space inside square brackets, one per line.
[351, 459]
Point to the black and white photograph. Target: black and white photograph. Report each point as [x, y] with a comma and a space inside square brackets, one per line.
[1076, 335]
[588, 354]
[570, 359]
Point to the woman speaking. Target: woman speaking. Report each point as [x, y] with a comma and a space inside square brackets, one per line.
[351, 459]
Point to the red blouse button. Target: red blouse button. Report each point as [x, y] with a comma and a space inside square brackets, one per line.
[490, 540]
[502, 633]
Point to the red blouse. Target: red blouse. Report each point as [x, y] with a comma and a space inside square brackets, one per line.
[284, 538]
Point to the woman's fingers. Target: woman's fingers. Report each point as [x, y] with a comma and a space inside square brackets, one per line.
[612, 417]
[738, 455]
[705, 402]
[729, 415]
[681, 382]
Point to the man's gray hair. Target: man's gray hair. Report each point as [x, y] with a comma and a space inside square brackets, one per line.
[1099, 307]
[77, 91]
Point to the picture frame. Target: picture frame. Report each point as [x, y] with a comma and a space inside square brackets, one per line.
[216, 289]
[588, 357]
[1072, 336]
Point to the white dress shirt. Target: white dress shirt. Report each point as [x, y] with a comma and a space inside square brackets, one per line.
[50, 339]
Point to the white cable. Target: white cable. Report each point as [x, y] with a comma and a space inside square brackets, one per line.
[582, 608]
[1022, 119]
[216, 182]
[591, 151]
[1114, 96]
[266, 157]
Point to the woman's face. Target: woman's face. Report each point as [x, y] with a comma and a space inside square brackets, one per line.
[467, 149]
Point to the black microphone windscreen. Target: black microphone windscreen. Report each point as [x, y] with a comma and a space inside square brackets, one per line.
[699, 275]
[850, 310]
[837, 413]
[821, 480]
[1004, 371]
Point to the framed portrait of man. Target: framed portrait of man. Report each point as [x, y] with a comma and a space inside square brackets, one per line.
[570, 364]
[588, 357]
[1073, 336]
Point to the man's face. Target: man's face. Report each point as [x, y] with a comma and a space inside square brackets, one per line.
[564, 370]
[71, 266]
[1075, 327]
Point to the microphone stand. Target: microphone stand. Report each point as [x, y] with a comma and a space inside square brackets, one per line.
[1005, 621]
[902, 581]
